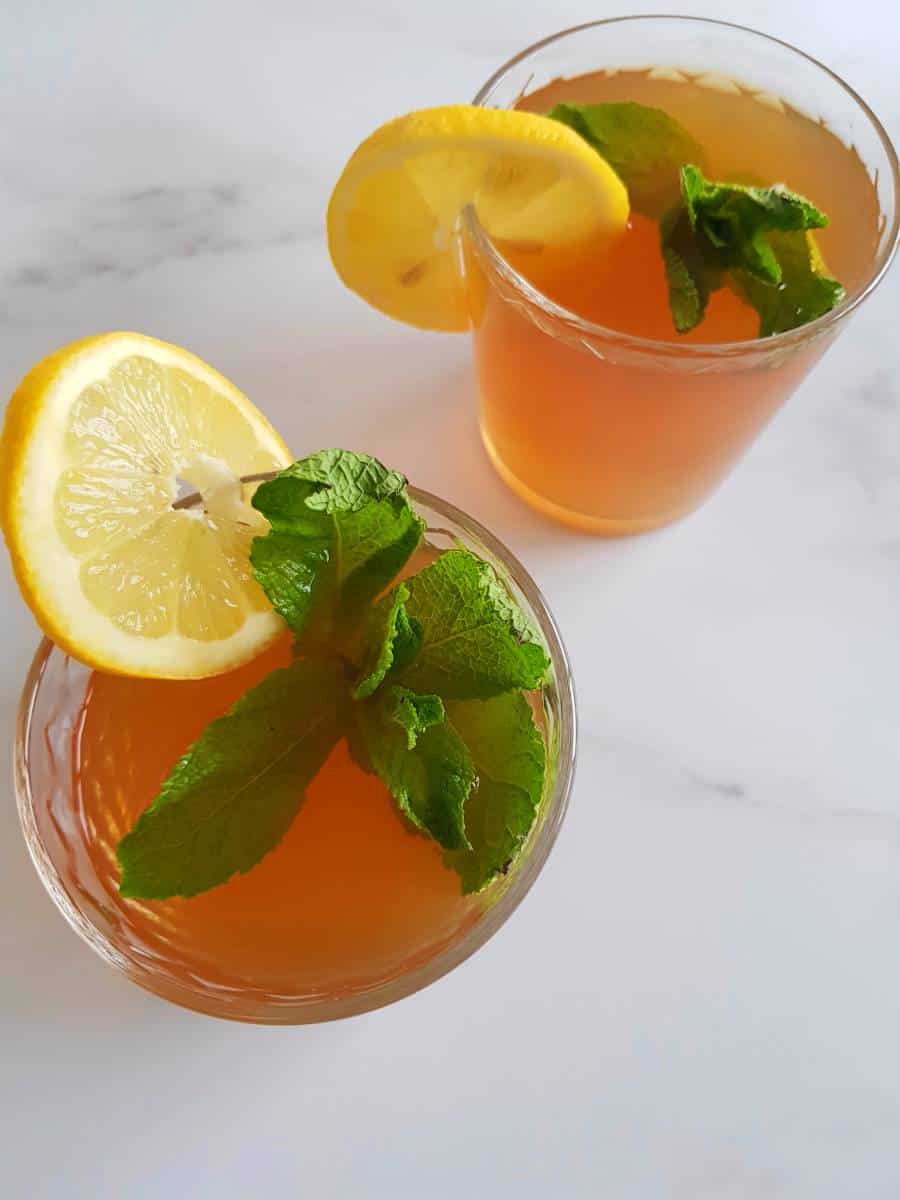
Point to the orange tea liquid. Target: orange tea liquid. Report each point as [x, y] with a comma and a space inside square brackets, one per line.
[616, 443]
[349, 897]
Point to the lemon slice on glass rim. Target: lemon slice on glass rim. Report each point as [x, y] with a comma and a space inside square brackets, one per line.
[100, 439]
[394, 214]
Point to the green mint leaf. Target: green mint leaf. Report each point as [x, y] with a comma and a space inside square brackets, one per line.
[509, 758]
[806, 290]
[415, 712]
[386, 639]
[644, 146]
[735, 220]
[230, 799]
[476, 642]
[431, 779]
[687, 295]
[345, 482]
[691, 274]
[294, 570]
[341, 529]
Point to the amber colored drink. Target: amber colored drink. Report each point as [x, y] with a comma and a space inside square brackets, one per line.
[351, 896]
[616, 437]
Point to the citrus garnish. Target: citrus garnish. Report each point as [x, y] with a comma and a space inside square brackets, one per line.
[395, 210]
[98, 440]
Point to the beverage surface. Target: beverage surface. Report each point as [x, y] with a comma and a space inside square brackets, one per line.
[620, 282]
[351, 894]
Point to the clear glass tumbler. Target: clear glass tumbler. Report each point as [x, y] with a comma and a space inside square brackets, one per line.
[46, 769]
[614, 433]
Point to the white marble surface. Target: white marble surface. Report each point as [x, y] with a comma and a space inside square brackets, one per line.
[700, 999]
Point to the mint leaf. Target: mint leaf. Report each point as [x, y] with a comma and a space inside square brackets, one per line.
[735, 220]
[233, 795]
[294, 570]
[345, 482]
[431, 778]
[387, 639]
[341, 529]
[475, 640]
[806, 290]
[688, 296]
[509, 758]
[691, 274]
[644, 146]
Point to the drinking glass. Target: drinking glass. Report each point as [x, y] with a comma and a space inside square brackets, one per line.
[46, 767]
[614, 433]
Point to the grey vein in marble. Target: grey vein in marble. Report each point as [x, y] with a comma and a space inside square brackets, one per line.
[130, 232]
[684, 786]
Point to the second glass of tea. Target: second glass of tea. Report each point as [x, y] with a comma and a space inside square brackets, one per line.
[593, 409]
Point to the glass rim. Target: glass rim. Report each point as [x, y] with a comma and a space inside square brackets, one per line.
[694, 350]
[317, 1008]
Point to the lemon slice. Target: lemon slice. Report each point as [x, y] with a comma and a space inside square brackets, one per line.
[99, 440]
[395, 211]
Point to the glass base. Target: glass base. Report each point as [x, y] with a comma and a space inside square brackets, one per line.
[598, 526]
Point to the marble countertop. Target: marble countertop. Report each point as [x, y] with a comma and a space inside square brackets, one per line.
[700, 997]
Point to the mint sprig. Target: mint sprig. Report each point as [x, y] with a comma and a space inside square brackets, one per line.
[756, 240]
[424, 680]
[734, 220]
